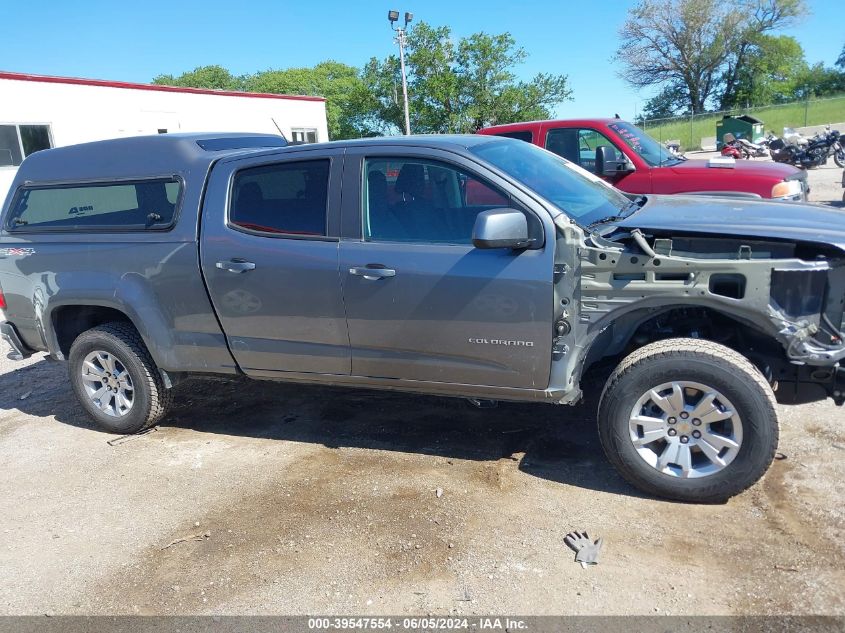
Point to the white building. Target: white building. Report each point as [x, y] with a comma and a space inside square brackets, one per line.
[38, 112]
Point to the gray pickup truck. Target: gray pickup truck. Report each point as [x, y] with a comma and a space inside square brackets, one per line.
[471, 266]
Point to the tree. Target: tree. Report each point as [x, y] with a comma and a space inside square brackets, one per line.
[840, 61]
[460, 86]
[695, 46]
[208, 77]
[665, 104]
[348, 104]
[762, 17]
[454, 86]
[772, 73]
[818, 81]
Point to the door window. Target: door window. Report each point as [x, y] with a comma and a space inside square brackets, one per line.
[285, 198]
[578, 145]
[414, 200]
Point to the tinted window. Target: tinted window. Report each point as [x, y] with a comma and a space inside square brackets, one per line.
[564, 142]
[412, 200]
[10, 149]
[34, 138]
[139, 204]
[283, 198]
[19, 141]
[522, 135]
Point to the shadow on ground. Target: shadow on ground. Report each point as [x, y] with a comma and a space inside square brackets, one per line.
[557, 443]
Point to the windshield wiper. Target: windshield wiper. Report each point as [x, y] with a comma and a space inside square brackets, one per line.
[624, 212]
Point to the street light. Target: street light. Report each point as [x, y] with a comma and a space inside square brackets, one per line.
[393, 17]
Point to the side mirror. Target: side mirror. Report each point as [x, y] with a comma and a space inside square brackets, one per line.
[611, 163]
[500, 228]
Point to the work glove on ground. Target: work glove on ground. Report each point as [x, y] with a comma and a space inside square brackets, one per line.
[586, 551]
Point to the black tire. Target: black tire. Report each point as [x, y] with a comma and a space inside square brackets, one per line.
[839, 158]
[710, 364]
[151, 399]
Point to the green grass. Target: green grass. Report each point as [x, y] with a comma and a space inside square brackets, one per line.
[775, 118]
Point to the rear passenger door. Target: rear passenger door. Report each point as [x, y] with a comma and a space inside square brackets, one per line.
[269, 255]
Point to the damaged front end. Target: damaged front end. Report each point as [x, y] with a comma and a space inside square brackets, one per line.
[780, 303]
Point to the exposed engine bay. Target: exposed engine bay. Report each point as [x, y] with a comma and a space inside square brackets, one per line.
[780, 303]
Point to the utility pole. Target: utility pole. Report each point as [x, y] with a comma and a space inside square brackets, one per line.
[393, 17]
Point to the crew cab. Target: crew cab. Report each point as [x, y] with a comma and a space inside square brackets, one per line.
[631, 160]
[467, 266]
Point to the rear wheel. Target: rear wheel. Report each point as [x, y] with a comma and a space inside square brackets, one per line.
[115, 379]
[688, 420]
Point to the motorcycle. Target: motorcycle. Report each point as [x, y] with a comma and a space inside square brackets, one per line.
[838, 151]
[732, 148]
[813, 154]
[753, 149]
[674, 149]
[835, 142]
[791, 137]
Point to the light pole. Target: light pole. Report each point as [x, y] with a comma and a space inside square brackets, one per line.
[393, 17]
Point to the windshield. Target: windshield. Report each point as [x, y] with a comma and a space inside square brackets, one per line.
[646, 147]
[576, 192]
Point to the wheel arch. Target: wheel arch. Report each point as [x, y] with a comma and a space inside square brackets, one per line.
[68, 320]
[612, 337]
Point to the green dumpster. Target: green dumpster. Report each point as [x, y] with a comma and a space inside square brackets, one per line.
[743, 125]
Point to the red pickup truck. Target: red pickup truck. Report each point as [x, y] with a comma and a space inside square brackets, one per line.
[631, 160]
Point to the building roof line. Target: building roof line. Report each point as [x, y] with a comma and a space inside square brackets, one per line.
[102, 83]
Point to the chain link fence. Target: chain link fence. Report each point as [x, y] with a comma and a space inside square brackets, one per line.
[698, 131]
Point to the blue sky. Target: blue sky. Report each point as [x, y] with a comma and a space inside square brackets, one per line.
[136, 41]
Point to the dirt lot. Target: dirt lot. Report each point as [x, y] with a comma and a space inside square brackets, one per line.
[316, 500]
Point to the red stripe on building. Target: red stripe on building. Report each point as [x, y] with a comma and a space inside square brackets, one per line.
[48, 79]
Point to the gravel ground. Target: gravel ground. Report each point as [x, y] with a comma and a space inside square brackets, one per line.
[299, 500]
[267, 498]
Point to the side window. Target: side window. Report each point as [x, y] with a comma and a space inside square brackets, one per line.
[578, 146]
[19, 141]
[285, 198]
[564, 142]
[520, 135]
[301, 136]
[10, 149]
[34, 138]
[130, 205]
[413, 200]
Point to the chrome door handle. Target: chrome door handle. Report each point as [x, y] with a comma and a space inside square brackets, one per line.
[372, 273]
[236, 266]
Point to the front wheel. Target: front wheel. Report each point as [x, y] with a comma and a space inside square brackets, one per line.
[689, 420]
[839, 157]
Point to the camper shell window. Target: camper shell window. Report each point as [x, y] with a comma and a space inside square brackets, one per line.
[125, 205]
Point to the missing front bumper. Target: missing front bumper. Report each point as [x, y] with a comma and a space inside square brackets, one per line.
[801, 384]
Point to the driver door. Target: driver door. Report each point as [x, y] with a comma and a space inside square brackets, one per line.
[422, 303]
